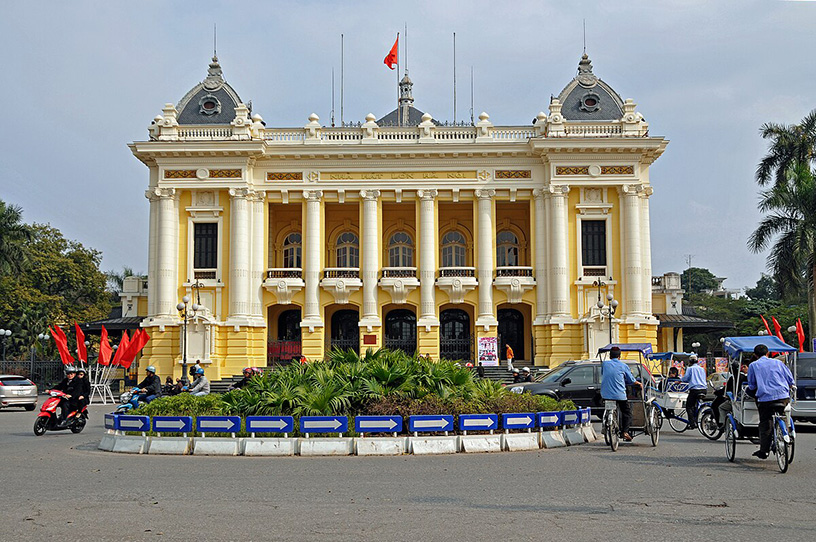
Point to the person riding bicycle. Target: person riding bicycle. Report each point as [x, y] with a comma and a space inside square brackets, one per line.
[201, 386]
[148, 389]
[770, 381]
[695, 377]
[721, 405]
[615, 376]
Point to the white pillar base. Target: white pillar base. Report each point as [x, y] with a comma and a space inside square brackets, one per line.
[370, 322]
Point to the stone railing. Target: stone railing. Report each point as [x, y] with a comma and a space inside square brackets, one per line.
[457, 272]
[341, 273]
[284, 273]
[399, 272]
[514, 271]
[606, 129]
[204, 133]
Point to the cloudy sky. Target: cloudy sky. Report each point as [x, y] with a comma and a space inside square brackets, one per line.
[82, 79]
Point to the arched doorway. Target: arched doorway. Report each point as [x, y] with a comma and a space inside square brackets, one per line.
[285, 346]
[455, 340]
[511, 331]
[345, 332]
[401, 331]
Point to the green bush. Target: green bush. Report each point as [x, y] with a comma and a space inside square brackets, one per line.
[183, 404]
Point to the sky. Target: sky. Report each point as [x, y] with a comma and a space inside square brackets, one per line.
[83, 79]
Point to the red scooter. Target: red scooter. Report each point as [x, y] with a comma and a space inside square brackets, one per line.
[49, 420]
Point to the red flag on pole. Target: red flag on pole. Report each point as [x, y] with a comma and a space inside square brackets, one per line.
[123, 344]
[82, 351]
[800, 334]
[104, 348]
[62, 345]
[777, 329]
[767, 328]
[137, 342]
[392, 58]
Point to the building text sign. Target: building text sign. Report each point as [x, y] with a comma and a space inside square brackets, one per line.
[395, 175]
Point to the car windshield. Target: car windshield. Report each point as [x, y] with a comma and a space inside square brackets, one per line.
[14, 379]
[555, 375]
[806, 366]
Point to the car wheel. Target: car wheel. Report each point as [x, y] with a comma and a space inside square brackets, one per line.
[30, 407]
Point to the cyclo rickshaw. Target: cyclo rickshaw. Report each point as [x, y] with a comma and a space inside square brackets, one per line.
[641, 401]
[743, 422]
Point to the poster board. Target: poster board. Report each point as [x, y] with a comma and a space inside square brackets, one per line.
[488, 351]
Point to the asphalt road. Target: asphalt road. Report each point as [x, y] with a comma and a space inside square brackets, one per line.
[60, 486]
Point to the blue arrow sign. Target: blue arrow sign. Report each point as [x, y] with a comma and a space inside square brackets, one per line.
[549, 419]
[133, 423]
[427, 423]
[378, 424]
[585, 415]
[218, 424]
[570, 417]
[110, 421]
[270, 424]
[478, 422]
[172, 424]
[523, 420]
[323, 424]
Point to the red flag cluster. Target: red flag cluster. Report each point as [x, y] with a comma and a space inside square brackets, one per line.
[800, 331]
[125, 353]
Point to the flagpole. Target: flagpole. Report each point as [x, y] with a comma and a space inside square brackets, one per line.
[454, 78]
[342, 70]
[399, 123]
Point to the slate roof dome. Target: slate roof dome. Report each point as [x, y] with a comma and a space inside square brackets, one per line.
[588, 98]
[212, 101]
[406, 114]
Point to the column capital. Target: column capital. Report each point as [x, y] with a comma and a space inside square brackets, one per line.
[157, 193]
[559, 189]
[485, 193]
[241, 193]
[631, 189]
[312, 195]
[256, 196]
[540, 193]
[647, 191]
[370, 195]
[427, 195]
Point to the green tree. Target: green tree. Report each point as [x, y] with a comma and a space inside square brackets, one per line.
[13, 237]
[698, 279]
[789, 145]
[765, 289]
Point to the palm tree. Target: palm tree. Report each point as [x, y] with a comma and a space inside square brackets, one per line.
[790, 225]
[790, 144]
[13, 236]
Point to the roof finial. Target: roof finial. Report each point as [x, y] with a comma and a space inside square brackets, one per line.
[584, 36]
[215, 38]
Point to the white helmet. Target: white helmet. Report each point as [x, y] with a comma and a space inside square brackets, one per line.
[526, 370]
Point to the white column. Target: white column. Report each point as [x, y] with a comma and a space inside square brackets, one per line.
[258, 261]
[239, 254]
[152, 249]
[428, 236]
[632, 252]
[311, 260]
[540, 232]
[167, 254]
[559, 255]
[487, 257]
[646, 251]
[369, 263]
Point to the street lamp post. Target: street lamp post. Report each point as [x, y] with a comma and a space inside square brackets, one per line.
[695, 345]
[610, 308]
[4, 334]
[44, 337]
[186, 316]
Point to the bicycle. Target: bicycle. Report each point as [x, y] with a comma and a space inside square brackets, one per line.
[609, 425]
[783, 442]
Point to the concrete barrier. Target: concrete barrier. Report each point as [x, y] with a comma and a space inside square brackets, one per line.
[216, 446]
[573, 435]
[381, 445]
[326, 446]
[268, 446]
[552, 439]
[516, 442]
[107, 442]
[589, 433]
[170, 445]
[124, 444]
[480, 443]
[433, 445]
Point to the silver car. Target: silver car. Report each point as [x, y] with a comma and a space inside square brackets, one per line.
[17, 391]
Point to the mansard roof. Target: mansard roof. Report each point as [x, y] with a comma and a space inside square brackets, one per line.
[212, 101]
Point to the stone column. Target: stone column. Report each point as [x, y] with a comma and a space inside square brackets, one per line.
[239, 291]
[152, 250]
[428, 235]
[258, 261]
[646, 251]
[559, 255]
[486, 264]
[369, 263]
[167, 253]
[632, 251]
[311, 259]
[540, 257]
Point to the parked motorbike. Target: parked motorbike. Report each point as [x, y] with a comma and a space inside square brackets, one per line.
[125, 398]
[49, 420]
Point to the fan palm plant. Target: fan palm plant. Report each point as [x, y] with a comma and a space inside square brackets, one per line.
[13, 236]
[790, 144]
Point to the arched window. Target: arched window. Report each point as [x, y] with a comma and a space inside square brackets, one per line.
[507, 249]
[453, 249]
[400, 250]
[348, 250]
[292, 250]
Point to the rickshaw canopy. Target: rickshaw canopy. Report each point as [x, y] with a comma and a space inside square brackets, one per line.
[643, 348]
[662, 356]
[735, 346]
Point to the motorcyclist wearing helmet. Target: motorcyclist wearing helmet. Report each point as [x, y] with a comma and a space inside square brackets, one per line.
[248, 372]
[200, 386]
[148, 389]
[66, 386]
[82, 390]
[525, 375]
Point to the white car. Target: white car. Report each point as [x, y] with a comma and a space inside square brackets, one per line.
[17, 391]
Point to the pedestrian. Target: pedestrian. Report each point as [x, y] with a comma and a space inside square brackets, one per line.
[770, 381]
[480, 370]
[695, 377]
[509, 355]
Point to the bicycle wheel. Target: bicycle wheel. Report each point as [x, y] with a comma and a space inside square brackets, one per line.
[677, 421]
[614, 432]
[708, 425]
[653, 425]
[730, 440]
[780, 447]
[659, 417]
[605, 430]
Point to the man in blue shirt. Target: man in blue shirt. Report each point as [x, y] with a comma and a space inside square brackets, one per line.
[770, 380]
[695, 377]
[615, 376]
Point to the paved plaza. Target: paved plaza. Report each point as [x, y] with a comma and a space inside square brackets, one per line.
[60, 486]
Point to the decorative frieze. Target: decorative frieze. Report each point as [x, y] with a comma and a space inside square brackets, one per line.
[513, 174]
[572, 170]
[179, 174]
[284, 176]
[592, 170]
[617, 170]
[225, 173]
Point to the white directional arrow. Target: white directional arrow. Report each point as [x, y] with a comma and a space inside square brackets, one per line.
[169, 424]
[268, 424]
[226, 425]
[132, 424]
[548, 419]
[440, 423]
[484, 422]
[377, 424]
[514, 421]
[322, 424]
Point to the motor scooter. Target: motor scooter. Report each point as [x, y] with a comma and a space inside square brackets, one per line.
[49, 420]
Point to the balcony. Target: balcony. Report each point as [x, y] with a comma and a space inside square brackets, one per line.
[341, 282]
[204, 274]
[594, 271]
[457, 282]
[514, 281]
[284, 282]
[399, 282]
